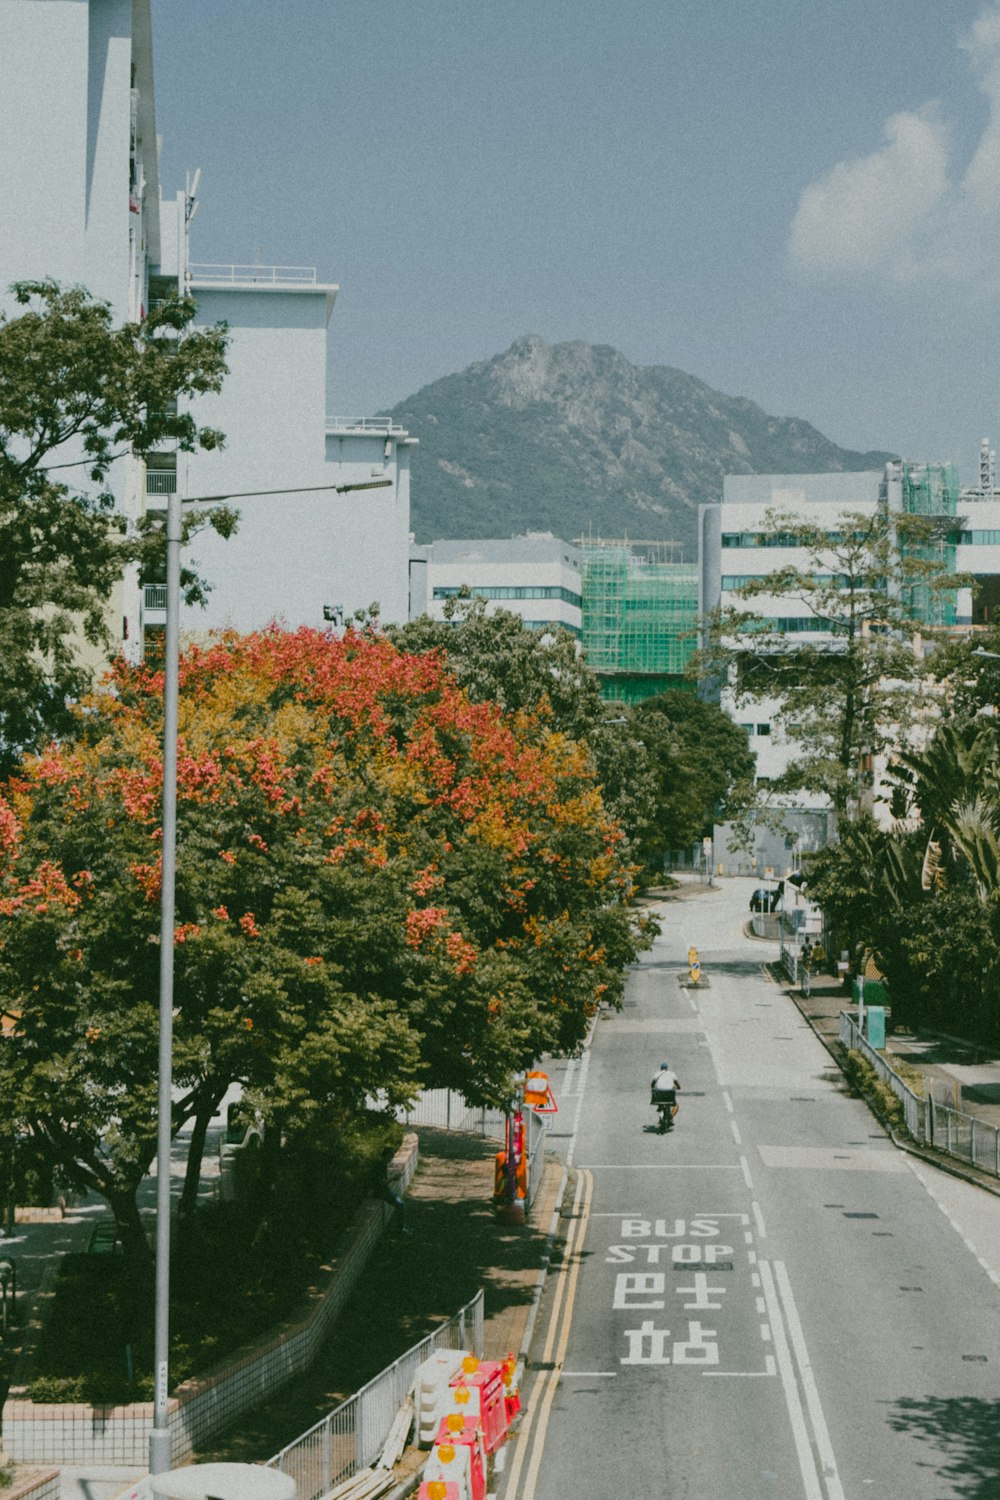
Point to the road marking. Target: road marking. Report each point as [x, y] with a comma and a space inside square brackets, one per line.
[831, 1478]
[556, 1342]
[736, 1132]
[581, 1086]
[727, 1100]
[760, 1220]
[796, 1416]
[745, 1166]
[589, 1374]
[742, 1374]
[666, 1166]
[813, 1158]
[954, 1223]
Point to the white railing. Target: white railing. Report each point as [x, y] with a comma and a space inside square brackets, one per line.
[254, 275]
[352, 1436]
[447, 1109]
[949, 1130]
[379, 426]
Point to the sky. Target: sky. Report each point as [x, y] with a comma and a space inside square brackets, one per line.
[796, 201]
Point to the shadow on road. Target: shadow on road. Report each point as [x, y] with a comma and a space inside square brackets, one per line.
[966, 1430]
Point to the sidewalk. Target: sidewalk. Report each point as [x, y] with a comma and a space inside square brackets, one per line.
[955, 1071]
[458, 1243]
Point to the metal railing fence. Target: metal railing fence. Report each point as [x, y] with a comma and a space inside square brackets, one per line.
[263, 275]
[447, 1109]
[352, 1436]
[928, 1121]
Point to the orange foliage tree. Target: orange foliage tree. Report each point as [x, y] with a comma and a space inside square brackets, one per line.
[379, 884]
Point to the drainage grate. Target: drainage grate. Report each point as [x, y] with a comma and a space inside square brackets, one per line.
[833, 1205]
[853, 1215]
[882, 1234]
[974, 1359]
[911, 1289]
[801, 1099]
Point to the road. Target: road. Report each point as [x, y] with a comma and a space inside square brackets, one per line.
[770, 1300]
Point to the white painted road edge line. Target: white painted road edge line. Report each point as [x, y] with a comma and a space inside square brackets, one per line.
[800, 1434]
[759, 1217]
[581, 1088]
[831, 1478]
[967, 1242]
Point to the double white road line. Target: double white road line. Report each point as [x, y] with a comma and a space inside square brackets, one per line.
[812, 1439]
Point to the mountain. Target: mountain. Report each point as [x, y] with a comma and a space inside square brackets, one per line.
[573, 439]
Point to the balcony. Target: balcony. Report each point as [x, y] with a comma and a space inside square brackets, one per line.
[377, 426]
[220, 275]
[154, 598]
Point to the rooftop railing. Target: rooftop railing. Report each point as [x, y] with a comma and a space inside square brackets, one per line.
[380, 425]
[254, 275]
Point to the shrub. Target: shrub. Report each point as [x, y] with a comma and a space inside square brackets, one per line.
[878, 1094]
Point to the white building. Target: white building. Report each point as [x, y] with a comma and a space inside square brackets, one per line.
[978, 544]
[77, 123]
[78, 172]
[536, 576]
[735, 550]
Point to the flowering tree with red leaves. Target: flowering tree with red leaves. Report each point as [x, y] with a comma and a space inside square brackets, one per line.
[379, 884]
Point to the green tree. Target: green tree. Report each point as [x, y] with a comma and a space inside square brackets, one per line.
[378, 883]
[77, 393]
[924, 897]
[704, 769]
[868, 583]
[499, 659]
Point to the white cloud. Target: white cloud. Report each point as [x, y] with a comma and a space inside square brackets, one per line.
[903, 212]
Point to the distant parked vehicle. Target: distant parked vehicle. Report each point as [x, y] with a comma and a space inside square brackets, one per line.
[764, 900]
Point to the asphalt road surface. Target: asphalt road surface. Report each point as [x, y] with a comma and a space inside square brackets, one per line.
[770, 1300]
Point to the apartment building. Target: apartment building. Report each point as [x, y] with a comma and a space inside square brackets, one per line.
[79, 172]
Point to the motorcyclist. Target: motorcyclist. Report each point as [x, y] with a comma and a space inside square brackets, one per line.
[664, 1087]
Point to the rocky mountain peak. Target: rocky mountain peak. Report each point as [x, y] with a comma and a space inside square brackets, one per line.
[575, 439]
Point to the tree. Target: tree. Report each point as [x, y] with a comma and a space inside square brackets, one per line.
[379, 882]
[868, 584]
[76, 394]
[499, 659]
[924, 897]
[704, 769]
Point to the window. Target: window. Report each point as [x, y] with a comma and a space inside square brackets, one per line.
[763, 729]
[509, 591]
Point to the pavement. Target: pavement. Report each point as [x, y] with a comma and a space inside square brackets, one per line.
[956, 1072]
[454, 1242]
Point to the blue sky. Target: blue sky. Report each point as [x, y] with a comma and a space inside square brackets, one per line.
[797, 202]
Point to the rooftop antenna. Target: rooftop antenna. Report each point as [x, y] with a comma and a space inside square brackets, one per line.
[191, 196]
[987, 468]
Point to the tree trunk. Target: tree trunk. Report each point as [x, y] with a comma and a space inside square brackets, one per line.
[136, 1254]
[195, 1156]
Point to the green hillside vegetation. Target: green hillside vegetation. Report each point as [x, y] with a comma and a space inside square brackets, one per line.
[574, 439]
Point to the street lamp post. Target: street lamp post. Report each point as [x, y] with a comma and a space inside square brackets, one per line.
[159, 1437]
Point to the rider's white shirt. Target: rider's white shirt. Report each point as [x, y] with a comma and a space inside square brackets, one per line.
[667, 1079]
